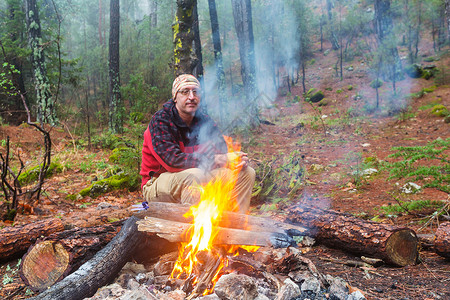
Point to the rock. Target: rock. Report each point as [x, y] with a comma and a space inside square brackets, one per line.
[316, 97]
[236, 287]
[209, 297]
[369, 172]
[338, 288]
[414, 70]
[289, 290]
[299, 276]
[356, 296]
[131, 267]
[103, 205]
[311, 284]
[410, 188]
[132, 284]
[123, 279]
[141, 278]
[316, 168]
[140, 293]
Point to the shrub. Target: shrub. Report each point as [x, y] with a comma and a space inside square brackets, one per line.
[376, 83]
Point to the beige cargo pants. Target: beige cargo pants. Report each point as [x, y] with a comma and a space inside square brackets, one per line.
[176, 187]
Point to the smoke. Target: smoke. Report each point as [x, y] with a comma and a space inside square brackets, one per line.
[276, 50]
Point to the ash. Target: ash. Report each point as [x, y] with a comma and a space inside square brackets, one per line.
[281, 274]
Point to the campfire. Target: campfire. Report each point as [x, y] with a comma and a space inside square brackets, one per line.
[200, 261]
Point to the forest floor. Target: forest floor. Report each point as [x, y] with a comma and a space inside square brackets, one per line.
[331, 152]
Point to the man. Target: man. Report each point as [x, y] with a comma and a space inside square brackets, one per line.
[183, 148]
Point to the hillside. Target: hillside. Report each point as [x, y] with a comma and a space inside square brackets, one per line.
[331, 151]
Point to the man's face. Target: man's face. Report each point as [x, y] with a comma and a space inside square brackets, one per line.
[187, 100]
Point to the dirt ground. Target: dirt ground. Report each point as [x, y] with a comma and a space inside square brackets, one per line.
[372, 135]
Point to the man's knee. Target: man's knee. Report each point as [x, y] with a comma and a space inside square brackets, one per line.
[191, 176]
[248, 174]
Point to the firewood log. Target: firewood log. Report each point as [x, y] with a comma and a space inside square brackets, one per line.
[174, 232]
[99, 270]
[175, 212]
[14, 241]
[395, 245]
[442, 240]
[53, 258]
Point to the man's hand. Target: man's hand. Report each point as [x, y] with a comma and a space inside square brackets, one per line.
[244, 159]
[222, 160]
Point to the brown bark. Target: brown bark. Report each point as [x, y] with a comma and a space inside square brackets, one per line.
[14, 241]
[175, 212]
[442, 240]
[395, 245]
[52, 259]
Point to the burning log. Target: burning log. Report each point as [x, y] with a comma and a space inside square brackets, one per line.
[442, 240]
[172, 231]
[60, 253]
[14, 241]
[397, 246]
[98, 271]
[175, 212]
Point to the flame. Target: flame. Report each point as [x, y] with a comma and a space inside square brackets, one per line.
[216, 197]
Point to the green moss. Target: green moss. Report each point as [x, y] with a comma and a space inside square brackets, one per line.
[311, 91]
[324, 102]
[350, 87]
[440, 110]
[33, 173]
[339, 91]
[427, 74]
[114, 182]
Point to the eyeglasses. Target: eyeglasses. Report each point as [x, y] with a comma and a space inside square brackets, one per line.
[186, 92]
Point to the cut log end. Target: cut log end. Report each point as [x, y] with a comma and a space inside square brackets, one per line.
[44, 265]
[442, 240]
[402, 248]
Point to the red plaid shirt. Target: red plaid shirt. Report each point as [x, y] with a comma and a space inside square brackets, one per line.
[170, 145]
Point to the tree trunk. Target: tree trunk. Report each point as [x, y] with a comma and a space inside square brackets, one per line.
[98, 271]
[116, 108]
[442, 240]
[153, 13]
[220, 74]
[184, 58]
[387, 44]
[46, 112]
[397, 246]
[100, 36]
[447, 16]
[63, 252]
[333, 39]
[14, 241]
[242, 14]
